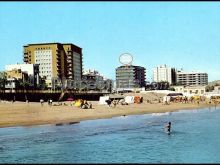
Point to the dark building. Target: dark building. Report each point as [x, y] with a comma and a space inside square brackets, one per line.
[130, 77]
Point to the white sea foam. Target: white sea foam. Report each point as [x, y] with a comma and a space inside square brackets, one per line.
[161, 114]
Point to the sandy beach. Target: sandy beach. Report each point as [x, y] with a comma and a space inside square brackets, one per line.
[27, 114]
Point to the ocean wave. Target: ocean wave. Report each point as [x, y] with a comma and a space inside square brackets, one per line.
[161, 114]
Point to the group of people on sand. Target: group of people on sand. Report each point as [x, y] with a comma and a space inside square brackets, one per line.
[185, 99]
[113, 103]
[49, 101]
[79, 103]
[85, 105]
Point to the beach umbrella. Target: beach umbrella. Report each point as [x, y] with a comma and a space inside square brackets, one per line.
[70, 99]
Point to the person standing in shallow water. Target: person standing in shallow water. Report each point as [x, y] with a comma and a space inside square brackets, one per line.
[168, 127]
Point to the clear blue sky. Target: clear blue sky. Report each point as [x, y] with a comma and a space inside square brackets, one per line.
[180, 34]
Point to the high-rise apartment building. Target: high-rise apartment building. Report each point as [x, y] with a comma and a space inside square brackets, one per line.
[55, 60]
[130, 77]
[164, 73]
[192, 78]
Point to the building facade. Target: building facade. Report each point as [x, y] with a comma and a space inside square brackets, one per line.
[130, 77]
[95, 81]
[32, 71]
[191, 78]
[56, 60]
[164, 73]
[190, 90]
[14, 77]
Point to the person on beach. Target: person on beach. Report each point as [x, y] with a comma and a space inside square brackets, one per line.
[41, 102]
[51, 102]
[114, 103]
[168, 127]
[108, 102]
[84, 105]
[13, 99]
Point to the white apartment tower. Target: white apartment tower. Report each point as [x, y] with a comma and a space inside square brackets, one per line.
[164, 73]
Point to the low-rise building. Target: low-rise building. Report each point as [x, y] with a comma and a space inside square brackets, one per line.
[190, 90]
[14, 77]
[32, 70]
[216, 89]
[95, 81]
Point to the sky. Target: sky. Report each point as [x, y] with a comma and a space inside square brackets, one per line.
[179, 34]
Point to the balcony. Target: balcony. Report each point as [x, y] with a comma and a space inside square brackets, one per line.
[69, 77]
[69, 74]
[69, 65]
[69, 57]
[69, 61]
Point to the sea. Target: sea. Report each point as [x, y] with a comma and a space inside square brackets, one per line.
[194, 138]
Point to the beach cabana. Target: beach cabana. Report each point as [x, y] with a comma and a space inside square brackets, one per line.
[129, 99]
[102, 99]
[70, 99]
[166, 99]
[174, 94]
[78, 102]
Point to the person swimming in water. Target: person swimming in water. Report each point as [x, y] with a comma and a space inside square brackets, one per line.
[168, 127]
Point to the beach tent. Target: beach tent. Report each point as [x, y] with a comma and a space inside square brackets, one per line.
[78, 102]
[188, 95]
[70, 99]
[137, 99]
[102, 99]
[166, 99]
[116, 97]
[129, 99]
[174, 94]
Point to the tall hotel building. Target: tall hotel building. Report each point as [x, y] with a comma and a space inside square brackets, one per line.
[130, 77]
[164, 73]
[55, 60]
[192, 78]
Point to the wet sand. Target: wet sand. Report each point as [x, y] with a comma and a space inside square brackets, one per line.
[28, 114]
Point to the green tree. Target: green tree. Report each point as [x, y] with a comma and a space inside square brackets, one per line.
[23, 84]
[209, 88]
[163, 85]
[3, 79]
[178, 83]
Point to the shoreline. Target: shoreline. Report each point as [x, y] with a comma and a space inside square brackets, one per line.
[31, 114]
